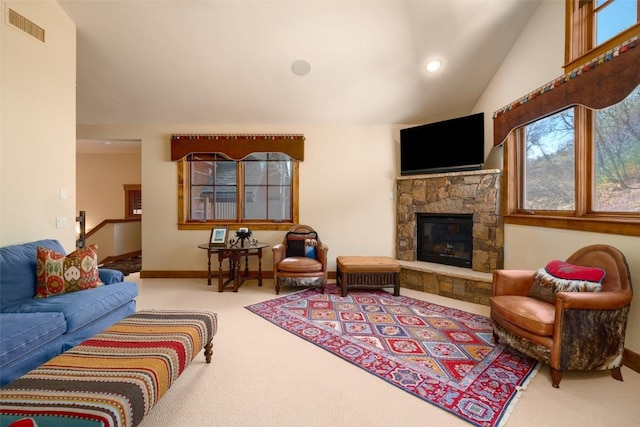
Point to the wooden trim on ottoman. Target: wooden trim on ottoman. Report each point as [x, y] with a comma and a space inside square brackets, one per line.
[114, 378]
[367, 272]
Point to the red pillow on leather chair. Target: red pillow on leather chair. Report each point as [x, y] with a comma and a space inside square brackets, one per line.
[560, 276]
[564, 270]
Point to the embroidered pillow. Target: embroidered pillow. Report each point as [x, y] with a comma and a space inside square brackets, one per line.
[296, 242]
[58, 273]
[559, 276]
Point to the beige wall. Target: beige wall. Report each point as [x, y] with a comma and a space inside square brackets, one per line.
[37, 126]
[346, 191]
[537, 58]
[100, 184]
[116, 239]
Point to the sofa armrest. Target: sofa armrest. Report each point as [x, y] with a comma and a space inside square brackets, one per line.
[512, 282]
[109, 276]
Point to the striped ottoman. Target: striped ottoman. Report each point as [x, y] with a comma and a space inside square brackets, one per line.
[114, 378]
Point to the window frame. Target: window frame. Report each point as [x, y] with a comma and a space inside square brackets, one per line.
[579, 50]
[580, 33]
[132, 193]
[184, 198]
[582, 218]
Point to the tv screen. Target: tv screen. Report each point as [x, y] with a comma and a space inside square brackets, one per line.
[447, 146]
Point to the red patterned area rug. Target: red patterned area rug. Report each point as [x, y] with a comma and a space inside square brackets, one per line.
[442, 355]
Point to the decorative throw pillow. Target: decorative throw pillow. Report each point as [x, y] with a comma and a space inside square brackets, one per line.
[310, 248]
[559, 276]
[58, 274]
[296, 242]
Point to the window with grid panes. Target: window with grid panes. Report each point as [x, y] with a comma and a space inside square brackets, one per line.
[579, 168]
[258, 190]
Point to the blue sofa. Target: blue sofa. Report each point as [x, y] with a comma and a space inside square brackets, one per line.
[34, 330]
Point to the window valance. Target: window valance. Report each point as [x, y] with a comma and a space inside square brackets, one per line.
[604, 81]
[237, 146]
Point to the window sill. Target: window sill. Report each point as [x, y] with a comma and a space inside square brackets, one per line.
[609, 225]
[252, 226]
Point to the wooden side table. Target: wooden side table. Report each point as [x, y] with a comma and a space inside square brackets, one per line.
[235, 275]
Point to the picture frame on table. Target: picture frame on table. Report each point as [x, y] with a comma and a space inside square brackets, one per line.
[218, 236]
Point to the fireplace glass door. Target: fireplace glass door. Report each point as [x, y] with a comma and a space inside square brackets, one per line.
[445, 239]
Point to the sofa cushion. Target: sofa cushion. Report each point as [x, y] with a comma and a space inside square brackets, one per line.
[82, 308]
[24, 332]
[58, 273]
[18, 271]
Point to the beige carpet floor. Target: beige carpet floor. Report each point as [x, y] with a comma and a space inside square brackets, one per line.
[261, 375]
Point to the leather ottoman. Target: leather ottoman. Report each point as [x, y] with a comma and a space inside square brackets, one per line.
[367, 272]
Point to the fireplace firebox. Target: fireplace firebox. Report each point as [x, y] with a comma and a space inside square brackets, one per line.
[445, 238]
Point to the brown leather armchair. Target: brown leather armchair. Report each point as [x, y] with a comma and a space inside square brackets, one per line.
[579, 330]
[300, 260]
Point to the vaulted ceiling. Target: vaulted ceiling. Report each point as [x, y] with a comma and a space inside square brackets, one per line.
[230, 62]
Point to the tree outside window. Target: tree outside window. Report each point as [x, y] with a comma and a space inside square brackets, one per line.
[549, 182]
[617, 156]
[583, 172]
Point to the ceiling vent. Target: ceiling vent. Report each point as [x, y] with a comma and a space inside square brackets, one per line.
[26, 25]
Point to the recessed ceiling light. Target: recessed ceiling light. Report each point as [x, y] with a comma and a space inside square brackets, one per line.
[434, 65]
[301, 67]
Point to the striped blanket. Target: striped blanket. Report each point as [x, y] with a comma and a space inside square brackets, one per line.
[114, 378]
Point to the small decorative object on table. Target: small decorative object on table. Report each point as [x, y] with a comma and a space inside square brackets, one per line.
[218, 236]
[243, 234]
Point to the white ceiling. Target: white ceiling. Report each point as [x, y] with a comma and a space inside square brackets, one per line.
[229, 62]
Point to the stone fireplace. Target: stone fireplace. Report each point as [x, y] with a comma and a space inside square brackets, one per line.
[474, 193]
[445, 239]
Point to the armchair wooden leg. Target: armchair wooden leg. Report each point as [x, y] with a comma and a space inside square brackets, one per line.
[617, 374]
[556, 377]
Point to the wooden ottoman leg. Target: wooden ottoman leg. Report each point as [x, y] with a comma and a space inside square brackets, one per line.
[340, 279]
[396, 284]
[343, 284]
[208, 351]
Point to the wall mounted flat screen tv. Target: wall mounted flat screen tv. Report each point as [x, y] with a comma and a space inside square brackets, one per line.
[453, 145]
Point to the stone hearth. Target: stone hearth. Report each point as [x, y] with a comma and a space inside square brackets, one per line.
[476, 193]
